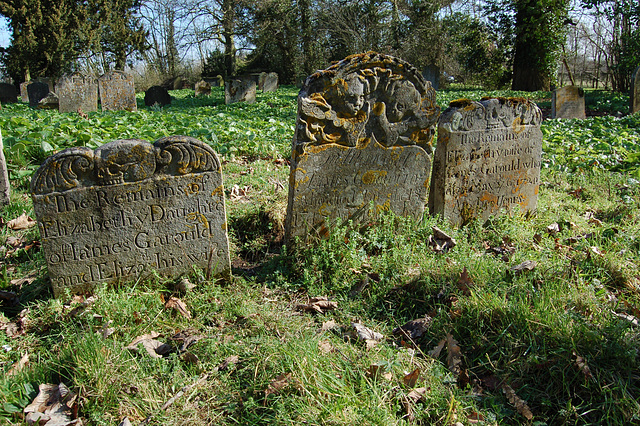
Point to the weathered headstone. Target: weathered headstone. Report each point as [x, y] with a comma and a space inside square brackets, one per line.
[202, 88]
[568, 102]
[270, 82]
[431, 73]
[50, 101]
[362, 143]
[240, 90]
[77, 92]
[117, 92]
[8, 93]
[130, 208]
[157, 95]
[24, 95]
[487, 159]
[37, 91]
[220, 80]
[634, 99]
[261, 79]
[5, 186]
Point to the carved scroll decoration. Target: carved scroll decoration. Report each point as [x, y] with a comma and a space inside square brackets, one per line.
[494, 113]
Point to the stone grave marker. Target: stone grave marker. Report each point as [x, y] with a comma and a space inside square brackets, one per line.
[634, 99]
[50, 101]
[130, 208]
[431, 73]
[77, 91]
[157, 95]
[487, 159]
[270, 82]
[220, 81]
[24, 95]
[568, 102]
[8, 93]
[202, 88]
[117, 91]
[5, 186]
[37, 91]
[240, 90]
[362, 144]
[261, 79]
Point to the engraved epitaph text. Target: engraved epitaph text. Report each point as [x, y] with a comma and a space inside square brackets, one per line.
[130, 208]
[487, 159]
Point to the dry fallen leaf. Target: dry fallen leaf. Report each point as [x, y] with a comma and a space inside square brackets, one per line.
[465, 282]
[15, 369]
[454, 356]
[154, 348]
[376, 371]
[189, 358]
[329, 325]
[519, 404]
[279, 383]
[54, 405]
[326, 347]
[318, 305]
[440, 242]
[553, 229]
[414, 328]
[230, 360]
[411, 399]
[370, 337]
[435, 352]
[409, 380]
[527, 265]
[20, 282]
[581, 363]
[178, 305]
[21, 222]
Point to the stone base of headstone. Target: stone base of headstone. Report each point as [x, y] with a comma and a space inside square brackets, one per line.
[129, 210]
[568, 102]
[487, 159]
[240, 90]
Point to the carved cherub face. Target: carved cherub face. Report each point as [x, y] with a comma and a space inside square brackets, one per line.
[353, 97]
[405, 100]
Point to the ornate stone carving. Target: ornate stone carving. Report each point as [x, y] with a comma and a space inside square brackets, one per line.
[127, 160]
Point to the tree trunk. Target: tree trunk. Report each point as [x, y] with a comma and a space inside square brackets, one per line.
[530, 70]
[228, 33]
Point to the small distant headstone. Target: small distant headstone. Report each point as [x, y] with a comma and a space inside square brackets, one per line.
[178, 83]
[24, 95]
[202, 88]
[157, 95]
[362, 144]
[130, 208]
[270, 82]
[635, 92]
[8, 93]
[431, 73]
[117, 91]
[77, 91]
[49, 102]
[487, 159]
[220, 81]
[568, 102]
[240, 90]
[37, 91]
[5, 186]
[261, 79]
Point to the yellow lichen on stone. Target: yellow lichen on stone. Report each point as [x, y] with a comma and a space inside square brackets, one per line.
[371, 176]
[517, 125]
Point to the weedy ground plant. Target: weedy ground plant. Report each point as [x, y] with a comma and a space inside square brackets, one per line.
[527, 319]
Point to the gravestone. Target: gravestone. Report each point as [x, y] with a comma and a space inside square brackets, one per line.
[362, 144]
[37, 91]
[8, 93]
[24, 95]
[157, 95]
[117, 92]
[634, 99]
[77, 92]
[50, 101]
[202, 88]
[5, 186]
[487, 159]
[261, 79]
[431, 73]
[240, 90]
[270, 82]
[568, 102]
[129, 209]
[220, 80]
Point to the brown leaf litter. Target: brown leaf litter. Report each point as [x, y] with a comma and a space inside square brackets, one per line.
[440, 242]
[55, 405]
[318, 305]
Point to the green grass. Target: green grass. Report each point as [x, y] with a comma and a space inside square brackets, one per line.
[534, 332]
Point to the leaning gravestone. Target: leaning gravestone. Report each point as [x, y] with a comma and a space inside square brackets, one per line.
[431, 73]
[362, 143]
[117, 92]
[77, 92]
[487, 159]
[5, 187]
[240, 90]
[270, 82]
[24, 95]
[8, 93]
[130, 208]
[568, 102]
[157, 95]
[634, 99]
[37, 91]
[202, 88]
